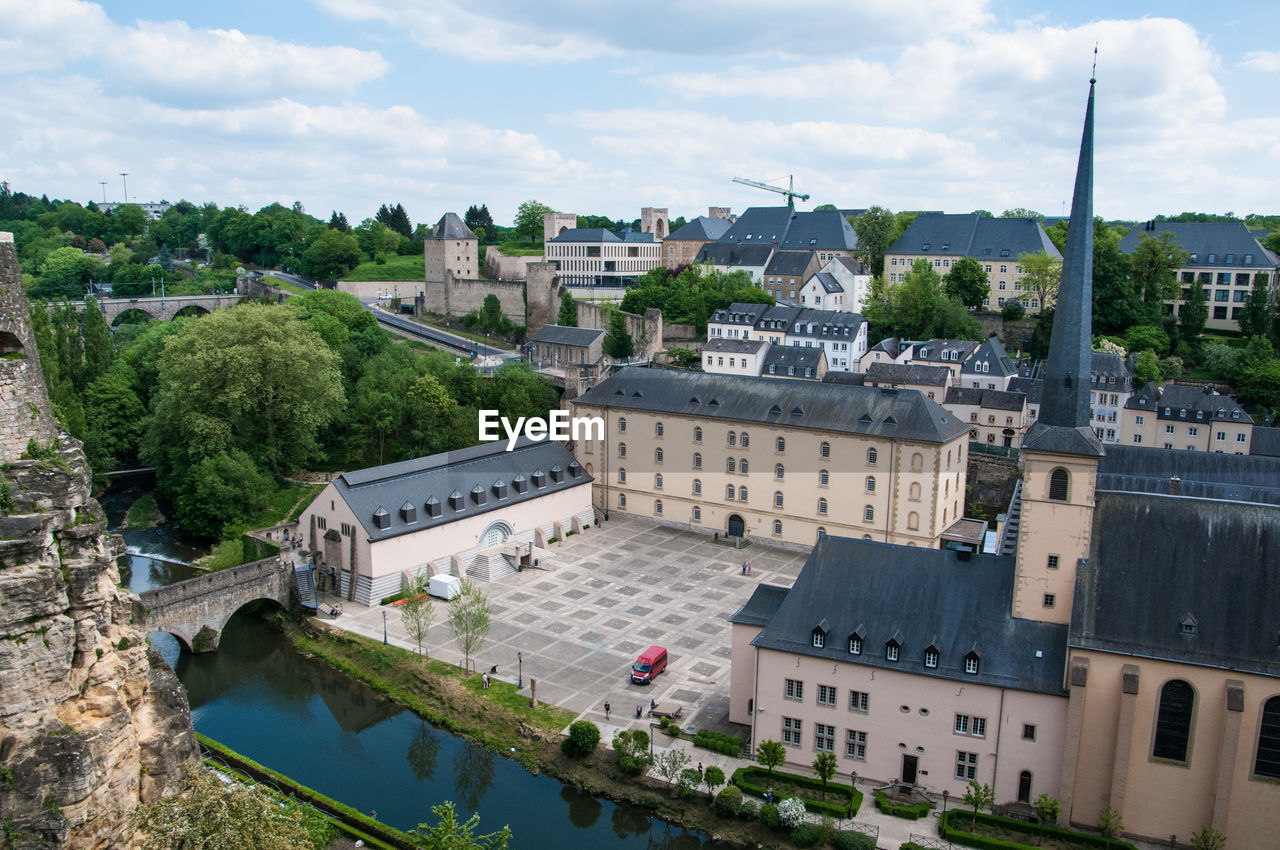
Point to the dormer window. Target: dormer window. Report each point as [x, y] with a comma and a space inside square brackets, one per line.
[432, 507]
[1212, 258]
[478, 495]
[931, 658]
[409, 512]
[971, 663]
[1248, 259]
[924, 247]
[819, 634]
[1230, 259]
[855, 645]
[892, 651]
[1004, 252]
[1187, 626]
[1235, 414]
[381, 518]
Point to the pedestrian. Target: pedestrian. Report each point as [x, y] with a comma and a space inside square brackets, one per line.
[744, 568]
[748, 568]
[486, 681]
[639, 711]
[652, 703]
[607, 707]
[699, 768]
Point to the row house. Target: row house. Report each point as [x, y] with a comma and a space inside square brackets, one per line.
[841, 335]
[951, 353]
[1184, 417]
[760, 358]
[842, 284]
[995, 417]
[931, 381]
[681, 247]
[989, 367]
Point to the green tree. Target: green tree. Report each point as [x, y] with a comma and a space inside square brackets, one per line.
[582, 740]
[1147, 338]
[979, 796]
[1012, 310]
[1220, 359]
[915, 300]
[469, 620]
[1110, 824]
[1022, 212]
[1208, 838]
[66, 274]
[331, 254]
[877, 230]
[967, 282]
[617, 342]
[417, 611]
[125, 221]
[99, 353]
[338, 221]
[478, 218]
[771, 754]
[568, 316]
[1255, 318]
[1047, 810]
[395, 218]
[1261, 383]
[631, 746]
[952, 320]
[1041, 274]
[451, 834]
[220, 490]
[113, 418]
[669, 763]
[1194, 312]
[1146, 370]
[824, 765]
[529, 220]
[713, 778]
[1154, 266]
[491, 313]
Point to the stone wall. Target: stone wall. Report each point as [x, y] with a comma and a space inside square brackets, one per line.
[498, 266]
[992, 479]
[646, 331]
[406, 290]
[678, 331]
[1014, 336]
[92, 721]
[532, 303]
[24, 405]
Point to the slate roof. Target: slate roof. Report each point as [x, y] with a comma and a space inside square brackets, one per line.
[1030, 387]
[587, 234]
[1222, 239]
[971, 235]
[922, 597]
[931, 350]
[876, 412]
[827, 281]
[789, 263]
[738, 313]
[730, 254]
[908, 373]
[414, 483]
[1265, 442]
[1237, 478]
[890, 345]
[1185, 403]
[1059, 439]
[702, 229]
[762, 605]
[1106, 367]
[450, 227]
[826, 324]
[818, 230]
[1133, 594]
[735, 346]
[782, 356]
[848, 379]
[854, 265]
[563, 335]
[991, 399]
[991, 352]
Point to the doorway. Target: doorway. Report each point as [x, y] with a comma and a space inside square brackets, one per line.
[737, 528]
[909, 765]
[1024, 787]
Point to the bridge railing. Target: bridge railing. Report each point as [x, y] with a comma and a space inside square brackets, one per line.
[211, 582]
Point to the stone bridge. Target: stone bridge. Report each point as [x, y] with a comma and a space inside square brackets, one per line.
[196, 610]
[162, 308]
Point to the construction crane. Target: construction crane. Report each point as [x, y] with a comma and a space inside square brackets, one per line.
[790, 191]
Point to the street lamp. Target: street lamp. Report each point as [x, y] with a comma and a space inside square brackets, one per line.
[520, 668]
[384, 627]
[943, 822]
[652, 726]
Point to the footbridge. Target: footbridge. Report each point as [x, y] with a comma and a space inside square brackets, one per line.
[196, 610]
[164, 308]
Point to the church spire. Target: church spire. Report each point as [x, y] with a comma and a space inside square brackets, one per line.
[1065, 401]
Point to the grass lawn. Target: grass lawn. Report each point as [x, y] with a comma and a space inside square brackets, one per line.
[397, 267]
[457, 330]
[519, 249]
[289, 286]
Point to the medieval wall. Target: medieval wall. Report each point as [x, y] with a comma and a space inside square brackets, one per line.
[646, 331]
[498, 266]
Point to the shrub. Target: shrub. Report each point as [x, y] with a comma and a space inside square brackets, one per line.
[853, 841]
[915, 812]
[584, 737]
[1012, 311]
[911, 845]
[748, 810]
[632, 748]
[717, 742]
[664, 722]
[841, 802]
[730, 800]
[769, 815]
[806, 835]
[955, 826]
[791, 812]
[687, 782]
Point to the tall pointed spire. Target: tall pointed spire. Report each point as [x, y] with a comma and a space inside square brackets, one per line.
[1065, 401]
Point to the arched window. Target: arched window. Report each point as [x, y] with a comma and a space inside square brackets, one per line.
[697, 514]
[872, 454]
[913, 521]
[622, 449]
[746, 440]
[622, 475]
[917, 462]
[1173, 721]
[871, 483]
[742, 494]
[729, 492]
[824, 477]
[822, 532]
[944, 517]
[697, 460]
[657, 481]
[1268, 761]
[697, 486]
[731, 465]
[825, 450]
[822, 507]
[869, 514]
[914, 492]
[782, 445]
[657, 429]
[733, 438]
[657, 506]
[779, 472]
[742, 465]
[1058, 481]
[622, 424]
[622, 500]
[777, 526]
[657, 455]
[777, 499]
[697, 434]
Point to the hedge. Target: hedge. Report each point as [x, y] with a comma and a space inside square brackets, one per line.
[960, 836]
[848, 840]
[898, 810]
[717, 742]
[754, 780]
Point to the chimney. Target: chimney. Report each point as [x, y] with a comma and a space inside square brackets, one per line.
[1175, 485]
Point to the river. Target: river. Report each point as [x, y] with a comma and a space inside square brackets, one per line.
[298, 716]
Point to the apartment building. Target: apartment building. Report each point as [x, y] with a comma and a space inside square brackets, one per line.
[989, 367]
[787, 271]
[734, 356]
[995, 417]
[681, 247]
[825, 232]
[841, 335]
[598, 257]
[841, 284]
[1187, 418]
[931, 381]
[951, 353]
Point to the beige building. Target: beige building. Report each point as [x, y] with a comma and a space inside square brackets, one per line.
[951, 353]
[598, 257]
[557, 346]
[1187, 418]
[777, 461]
[451, 249]
[733, 356]
[930, 381]
[786, 273]
[794, 362]
[995, 417]
[681, 247]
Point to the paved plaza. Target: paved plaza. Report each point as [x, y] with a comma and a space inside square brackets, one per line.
[607, 594]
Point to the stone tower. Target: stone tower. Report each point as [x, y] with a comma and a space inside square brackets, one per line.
[1060, 452]
[655, 221]
[451, 249]
[92, 721]
[542, 296]
[554, 223]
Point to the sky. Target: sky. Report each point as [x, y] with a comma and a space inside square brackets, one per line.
[604, 108]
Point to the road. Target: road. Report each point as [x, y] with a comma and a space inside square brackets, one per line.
[294, 279]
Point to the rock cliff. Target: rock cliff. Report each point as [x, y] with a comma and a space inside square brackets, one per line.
[92, 721]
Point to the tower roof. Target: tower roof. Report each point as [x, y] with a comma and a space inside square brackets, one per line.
[1063, 425]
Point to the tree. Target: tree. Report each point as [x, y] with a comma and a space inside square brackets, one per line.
[1147, 369]
[1109, 824]
[529, 220]
[952, 320]
[688, 781]
[1047, 809]
[216, 815]
[568, 316]
[1041, 274]
[1022, 212]
[338, 221]
[417, 612]
[713, 778]
[1208, 838]
[1147, 338]
[395, 218]
[876, 231]
[631, 746]
[1195, 312]
[478, 218]
[469, 619]
[791, 812]
[771, 754]
[824, 765]
[220, 490]
[98, 350]
[1012, 310]
[617, 342]
[668, 764]
[1221, 360]
[915, 300]
[450, 834]
[113, 418]
[967, 282]
[491, 313]
[1256, 315]
[1261, 383]
[66, 273]
[583, 738]
[979, 796]
[332, 254]
[1154, 268]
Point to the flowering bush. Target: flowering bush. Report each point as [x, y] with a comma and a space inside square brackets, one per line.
[791, 812]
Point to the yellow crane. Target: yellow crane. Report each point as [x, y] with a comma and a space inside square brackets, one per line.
[790, 191]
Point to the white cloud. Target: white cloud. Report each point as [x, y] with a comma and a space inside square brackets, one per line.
[1262, 60]
[49, 34]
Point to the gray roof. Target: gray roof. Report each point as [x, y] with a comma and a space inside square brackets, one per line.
[739, 313]
[730, 254]
[789, 263]
[890, 345]
[1105, 368]
[931, 350]
[735, 346]
[848, 379]
[971, 235]
[1224, 240]
[702, 229]
[826, 324]
[991, 352]
[762, 605]
[1238, 478]
[587, 234]
[1059, 439]
[1030, 387]
[451, 227]
[908, 373]
[818, 230]
[564, 335]
[1186, 403]
[920, 597]
[1265, 441]
[992, 399]
[1222, 577]
[875, 412]
[854, 265]
[828, 282]
[414, 484]
[782, 356]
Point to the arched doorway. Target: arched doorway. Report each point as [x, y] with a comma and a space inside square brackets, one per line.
[495, 534]
[737, 527]
[1024, 787]
[1008, 436]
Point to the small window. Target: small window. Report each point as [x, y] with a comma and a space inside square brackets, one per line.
[697, 486]
[622, 500]
[697, 460]
[777, 526]
[793, 689]
[825, 450]
[824, 477]
[855, 645]
[622, 424]
[971, 664]
[657, 455]
[731, 465]
[733, 438]
[1049, 600]
[1053, 562]
[779, 471]
[891, 651]
[777, 499]
[657, 507]
[930, 658]
[871, 457]
[622, 475]
[822, 507]
[742, 465]
[657, 429]
[730, 492]
[657, 481]
[742, 494]
[869, 514]
[819, 641]
[781, 445]
[622, 449]
[871, 483]
[1058, 481]
[746, 440]
[697, 435]
[1028, 732]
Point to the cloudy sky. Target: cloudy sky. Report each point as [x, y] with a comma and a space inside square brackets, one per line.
[606, 107]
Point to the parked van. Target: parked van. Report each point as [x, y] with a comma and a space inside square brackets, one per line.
[650, 663]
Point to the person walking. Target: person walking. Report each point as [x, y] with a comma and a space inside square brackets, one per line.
[607, 707]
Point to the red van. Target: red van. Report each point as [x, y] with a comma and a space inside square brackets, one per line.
[650, 663]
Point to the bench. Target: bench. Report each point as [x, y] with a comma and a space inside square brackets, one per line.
[669, 711]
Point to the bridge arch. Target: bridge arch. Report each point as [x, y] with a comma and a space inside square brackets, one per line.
[184, 642]
[191, 310]
[132, 316]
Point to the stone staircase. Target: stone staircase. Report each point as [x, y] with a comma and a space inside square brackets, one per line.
[305, 580]
[1009, 533]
